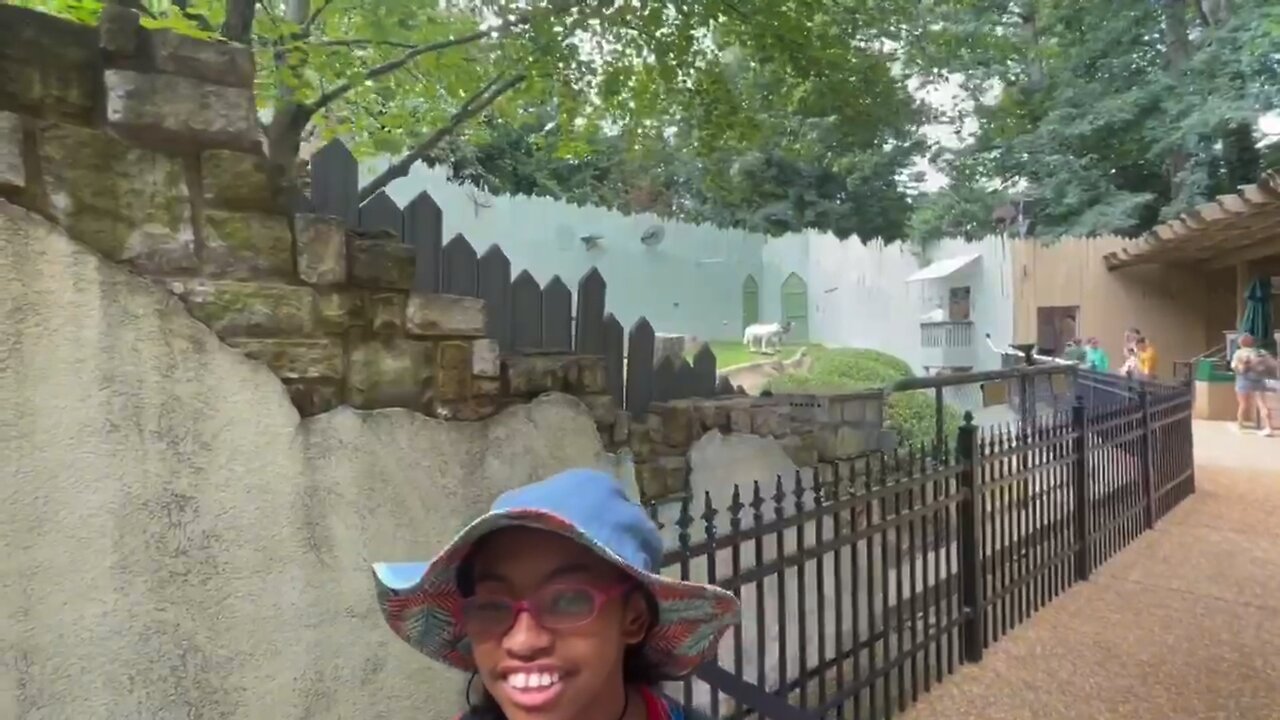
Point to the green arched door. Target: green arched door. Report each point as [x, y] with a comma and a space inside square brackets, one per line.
[750, 302]
[795, 307]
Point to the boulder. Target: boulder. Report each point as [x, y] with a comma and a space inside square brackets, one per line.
[13, 173]
[245, 309]
[439, 315]
[247, 245]
[233, 180]
[127, 203]
[180, 113]
[49, 68]
[218, 63]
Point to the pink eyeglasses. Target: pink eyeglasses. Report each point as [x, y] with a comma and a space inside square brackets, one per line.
[555, 607]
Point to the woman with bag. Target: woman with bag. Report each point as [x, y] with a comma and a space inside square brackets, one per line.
[1252, 366]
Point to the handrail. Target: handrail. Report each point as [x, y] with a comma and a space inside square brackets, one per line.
[1014, 352]
[1211, 351]
[941, 381]
[1114, 389]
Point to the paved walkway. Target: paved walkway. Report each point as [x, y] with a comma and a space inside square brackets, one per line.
[1184, 624]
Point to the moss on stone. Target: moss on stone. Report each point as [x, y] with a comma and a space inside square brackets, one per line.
[387, 372]
[240, 309]
[248, 244]
[103, 191]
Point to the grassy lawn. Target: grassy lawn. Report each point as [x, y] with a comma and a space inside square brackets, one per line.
[729, 353]
[842, 370]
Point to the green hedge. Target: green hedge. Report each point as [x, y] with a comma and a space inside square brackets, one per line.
[911, 415]
[842, 370]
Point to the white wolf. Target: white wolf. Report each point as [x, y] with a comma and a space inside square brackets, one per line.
[765, 334]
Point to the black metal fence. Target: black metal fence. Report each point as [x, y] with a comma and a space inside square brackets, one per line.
[865, 583]
[522, 315]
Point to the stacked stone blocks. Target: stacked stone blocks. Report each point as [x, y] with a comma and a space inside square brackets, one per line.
[145, 145]
[810, 429]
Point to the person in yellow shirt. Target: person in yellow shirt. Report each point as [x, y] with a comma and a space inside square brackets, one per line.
[1146, 355]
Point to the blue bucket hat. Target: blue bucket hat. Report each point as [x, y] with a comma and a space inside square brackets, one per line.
[422, 603]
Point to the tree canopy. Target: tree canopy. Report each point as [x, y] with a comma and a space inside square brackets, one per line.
[776, 115]
[1108, 117]
[1088, 116]
[806, 151]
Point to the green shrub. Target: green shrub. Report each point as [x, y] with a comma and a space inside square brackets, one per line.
[840, 370]
[843, 370]
[911, 415]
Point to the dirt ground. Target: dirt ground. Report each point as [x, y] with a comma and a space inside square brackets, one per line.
[756, 376]
[1184, 624]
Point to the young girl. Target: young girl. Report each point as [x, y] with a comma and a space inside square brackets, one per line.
[552, 600]
[1130, 365]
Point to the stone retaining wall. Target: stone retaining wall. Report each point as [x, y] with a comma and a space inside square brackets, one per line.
[808, 428]
[144, 145]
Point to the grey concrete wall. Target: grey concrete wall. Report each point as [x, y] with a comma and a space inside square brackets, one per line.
[177, 543]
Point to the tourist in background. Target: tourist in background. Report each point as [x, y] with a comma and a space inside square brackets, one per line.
[1252, 366]
[1145, 354]
[1130, 366]
[1075, 351]
[1131, 338]
[1095, 357]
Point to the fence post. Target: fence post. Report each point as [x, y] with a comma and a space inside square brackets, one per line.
[1028, 392]
[1080, 488]
[939, 426]
[1188, 436]
[1148, 457]
[972, 580]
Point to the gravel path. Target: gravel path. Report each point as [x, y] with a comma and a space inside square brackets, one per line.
[1184, 624]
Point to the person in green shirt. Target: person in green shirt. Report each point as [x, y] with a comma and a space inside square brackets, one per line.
[1095, 358]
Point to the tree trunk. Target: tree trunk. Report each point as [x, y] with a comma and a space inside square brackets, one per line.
[288, 118]
[1031, 38]
[238, 26]
[1177, 53]
[1216, 13]
[284, 140]
[1241, 159]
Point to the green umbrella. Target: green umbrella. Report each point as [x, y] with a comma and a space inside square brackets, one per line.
[1257, 320]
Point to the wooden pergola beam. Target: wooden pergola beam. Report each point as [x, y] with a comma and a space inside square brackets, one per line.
[1230, 229]
[1264, 244]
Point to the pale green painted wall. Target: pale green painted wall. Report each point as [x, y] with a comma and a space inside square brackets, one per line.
[692, 282]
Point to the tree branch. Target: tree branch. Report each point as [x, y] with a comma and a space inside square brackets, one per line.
[361, 42]
[392, 65]
[316, 15]
[266, 10]
[501, 30]
[473, 106]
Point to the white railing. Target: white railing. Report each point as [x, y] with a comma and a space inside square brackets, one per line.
[946, 334]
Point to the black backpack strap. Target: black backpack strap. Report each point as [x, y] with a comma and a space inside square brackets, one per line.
[768, 706]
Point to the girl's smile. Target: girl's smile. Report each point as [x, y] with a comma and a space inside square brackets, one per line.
[533, 688]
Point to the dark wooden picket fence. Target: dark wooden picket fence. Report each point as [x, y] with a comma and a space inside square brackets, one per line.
[523, 315]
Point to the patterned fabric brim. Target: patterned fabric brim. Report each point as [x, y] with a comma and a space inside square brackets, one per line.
[421, 602]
